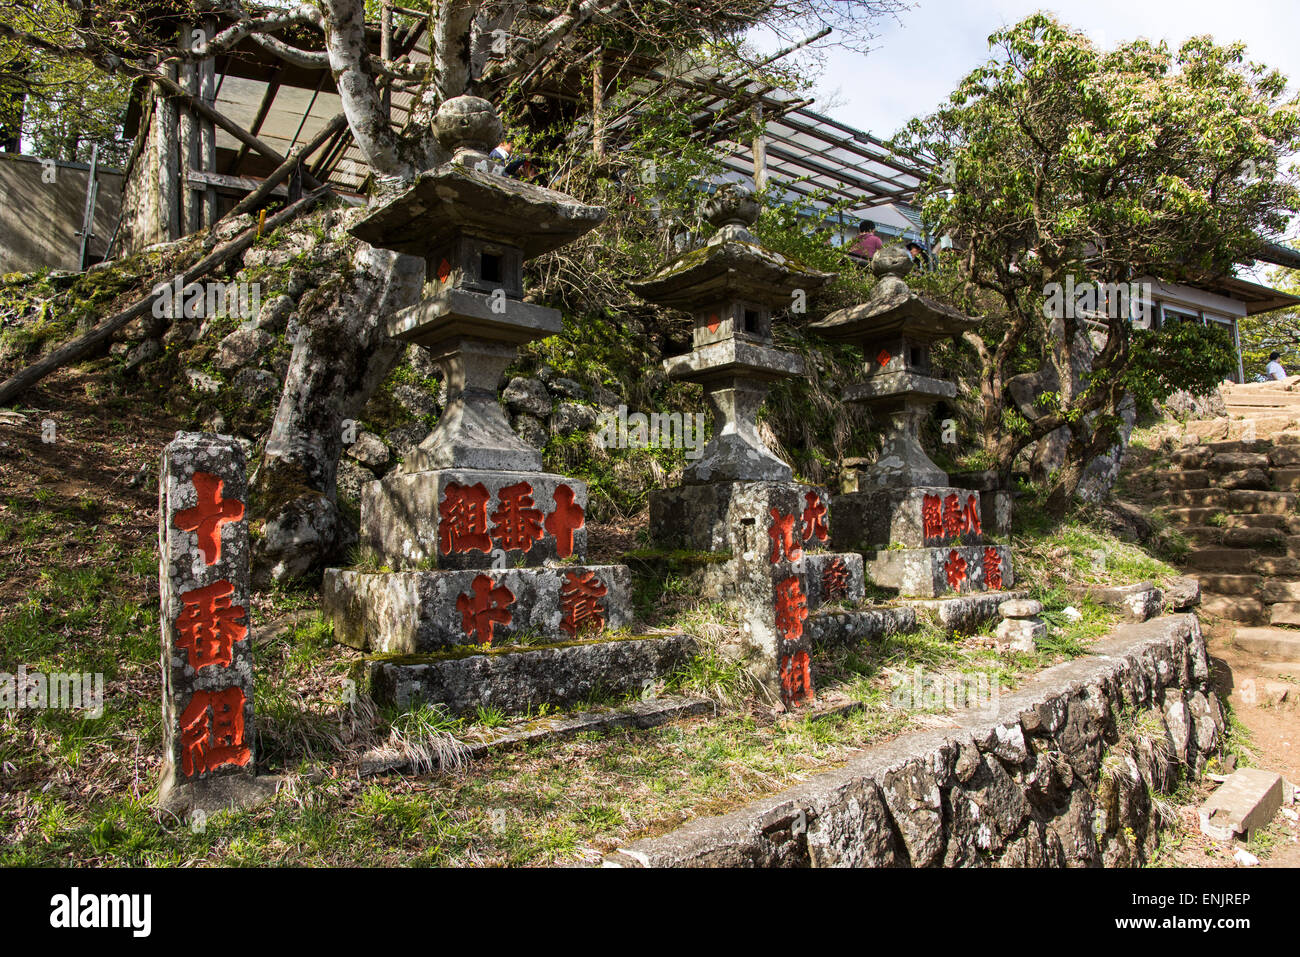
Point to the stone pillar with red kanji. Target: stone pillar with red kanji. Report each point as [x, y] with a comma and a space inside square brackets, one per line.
[209, 759]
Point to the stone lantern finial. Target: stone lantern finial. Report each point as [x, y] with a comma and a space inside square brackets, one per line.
[468, 127]
[731, 205]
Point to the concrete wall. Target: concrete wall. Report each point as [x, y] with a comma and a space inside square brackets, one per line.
[39, 221]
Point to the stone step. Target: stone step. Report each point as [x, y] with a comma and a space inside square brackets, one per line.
[1258, 521]
[1181, 478]
[1234, 608]
[1200, 497]
[1255, 502]
[1284, 456]
[1190, 517]
[1192, 457]
[1288, 669]
[1275, 590]
[1278, 567]
[1254, 538]
[1237, 461]
[1284, 613]
[1286, 479]
[1274, 642]
[1235, 446]
[1254, 479]
[1203, 534]
[1230, 560]
[1225, 584]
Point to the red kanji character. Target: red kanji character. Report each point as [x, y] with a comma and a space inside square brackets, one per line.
[884, 357]
[783, 537]
[791, 608]
[207, 517]
[565, 520]
[931, 518]
[485, 609]
[208, 626]
[212, 731]
[954, 516]
[714, 322]
[796, 679]
[444, 270]
[992, 569]
[462, 519]
[955, 569]
[518, 522]
[835, 580]
[814, 518]
[578, 601]
[973, 515]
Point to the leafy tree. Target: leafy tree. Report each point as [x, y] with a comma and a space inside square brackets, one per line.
[1057, 162]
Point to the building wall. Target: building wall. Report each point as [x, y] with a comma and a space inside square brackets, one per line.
[39, 221]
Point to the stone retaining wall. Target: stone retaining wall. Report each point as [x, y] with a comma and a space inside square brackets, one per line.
[1047, 776]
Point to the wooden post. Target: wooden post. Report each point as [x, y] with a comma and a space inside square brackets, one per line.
[598, 106]
[207, 130]
[760, 151]
[169, 172]
[191, 212]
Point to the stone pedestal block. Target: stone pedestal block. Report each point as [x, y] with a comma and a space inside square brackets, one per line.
[466, 518]
[209, 756]
[921, 517]
[420, 612]
[935, 572]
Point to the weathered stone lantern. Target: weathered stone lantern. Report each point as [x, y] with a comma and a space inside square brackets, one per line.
[472, 528]
[904, 498]
[767, 535]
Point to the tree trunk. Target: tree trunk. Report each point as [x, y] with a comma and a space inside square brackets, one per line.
[341, 355]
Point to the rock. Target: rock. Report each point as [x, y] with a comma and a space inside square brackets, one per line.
[1137, 602]
[350, 478]
[1019, 634]
[421, 363]
[296, 540]
[1245, 858]
[241, 347]
[145, 351]
[181, 332]
[1241, 805]
[1184, 405]
[531, 429]
[1020, 608]
[274, 256]
[1070, 613]
[567, 388]
[255, 386]
[273, 315]
[370, 451]
[914, 799]
[402, 440]
[605, 398]
[1182, 594]
[1245, 478]
[527, 395]
[573, 417]
[415, 400]
[202, 382]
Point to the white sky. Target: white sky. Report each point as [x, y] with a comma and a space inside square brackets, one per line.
[919, 58]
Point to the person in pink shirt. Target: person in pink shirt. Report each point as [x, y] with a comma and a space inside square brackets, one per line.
[867, 243]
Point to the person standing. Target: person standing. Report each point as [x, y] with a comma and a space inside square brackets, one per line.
[1274, 369]
[868, 243]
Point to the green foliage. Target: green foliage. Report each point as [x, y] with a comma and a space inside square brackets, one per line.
[1180, 355]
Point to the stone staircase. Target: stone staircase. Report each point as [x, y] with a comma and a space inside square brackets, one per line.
[1232, 492]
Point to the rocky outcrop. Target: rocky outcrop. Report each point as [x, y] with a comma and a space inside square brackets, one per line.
[1058, 776]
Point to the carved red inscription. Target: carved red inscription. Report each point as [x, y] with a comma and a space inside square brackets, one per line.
[212, 731]
[207, 517]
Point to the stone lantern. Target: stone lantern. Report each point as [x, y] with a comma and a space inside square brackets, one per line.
[766, 534]
[473, 530]
[904, 499]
